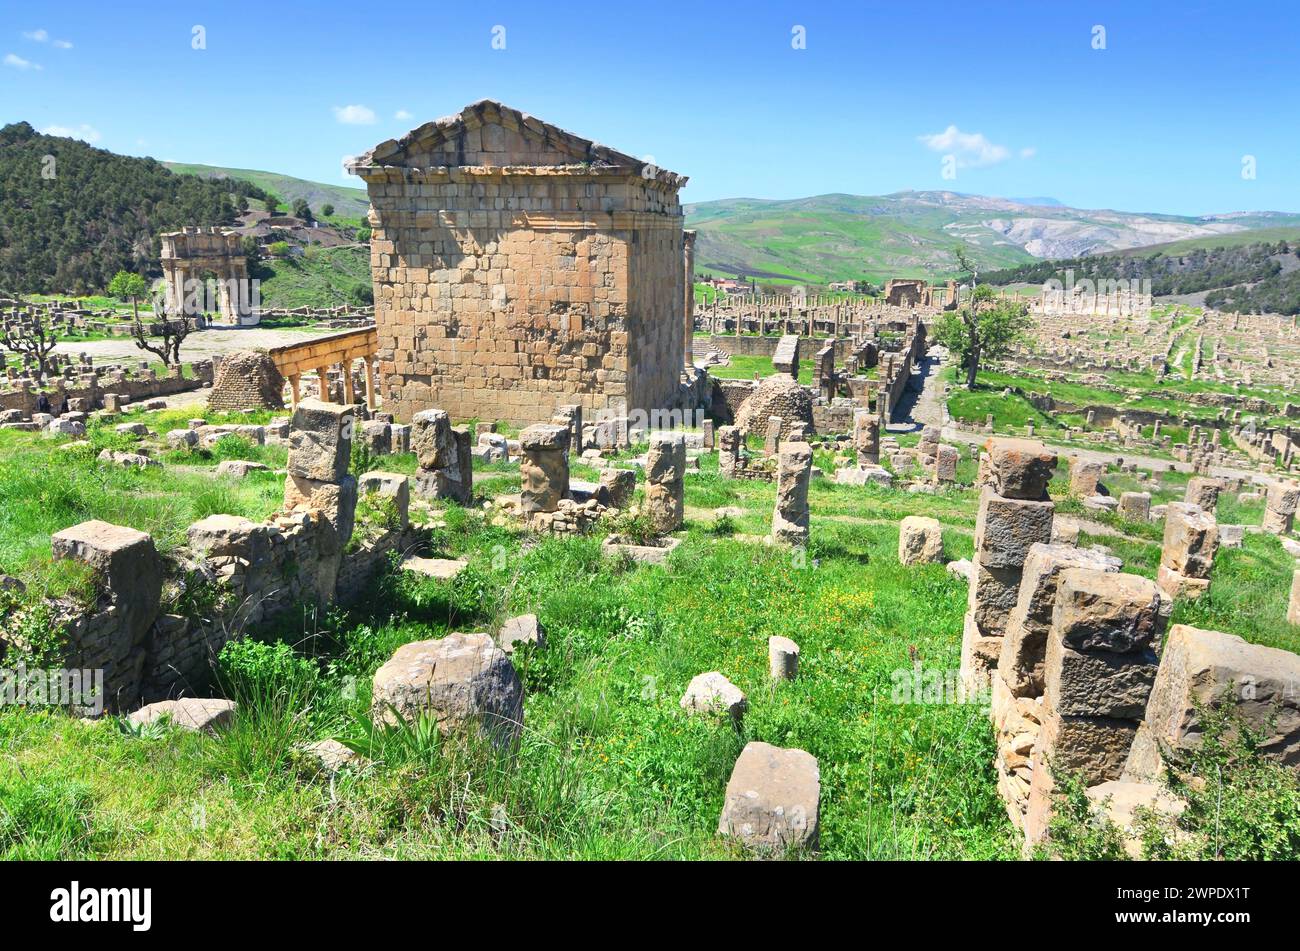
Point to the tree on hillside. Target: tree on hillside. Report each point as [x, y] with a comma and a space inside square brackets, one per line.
[302, 210]
[31, 336]
[127, 285]
[327, 210]
[272, 202]
[984, 329]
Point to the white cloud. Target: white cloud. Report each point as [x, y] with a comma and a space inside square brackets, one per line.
[402, 115]
[971, 149]
[63, 44]
[1029, 152]
[40, 36]
[354, 115]
[84, 132]
[17, 62]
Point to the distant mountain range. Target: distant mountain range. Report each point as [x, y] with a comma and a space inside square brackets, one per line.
[913, 234]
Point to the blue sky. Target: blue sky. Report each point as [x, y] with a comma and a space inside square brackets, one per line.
[1159, 120]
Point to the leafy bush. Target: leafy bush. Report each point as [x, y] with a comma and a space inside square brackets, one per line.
[248, 669]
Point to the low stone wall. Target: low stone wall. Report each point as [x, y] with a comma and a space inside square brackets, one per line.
[93, 388]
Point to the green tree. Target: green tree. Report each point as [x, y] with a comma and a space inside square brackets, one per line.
[127, 285]
[985, 329]
[302, 210]
[272, 202]
[327, 211]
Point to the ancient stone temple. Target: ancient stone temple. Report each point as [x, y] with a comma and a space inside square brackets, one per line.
[519, 268]
[191, 257]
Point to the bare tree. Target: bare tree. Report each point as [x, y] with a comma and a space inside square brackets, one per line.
[173, 332]
[32, 337]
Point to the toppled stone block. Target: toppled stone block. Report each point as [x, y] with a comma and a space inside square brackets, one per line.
[239, 468]
[1120, 801]
[320, 440]
[127, 564]
[228, 536]
[465, 681]
[1098, 683]
[713, 693]
[1085, 477]
[619, 485]
[127, 460]
[524, 629]
[198, 715]
[1019, 468]
[444, 569]
[336, 501]
[1211, 668]
[389, 485]
[1135, 506]
[772, 798]
[992, 595]
[377, 436]
[182, 439]
[920, 540]
[1094, 748]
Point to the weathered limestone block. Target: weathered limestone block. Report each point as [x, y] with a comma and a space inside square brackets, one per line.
[1005, 529]
[730, 444]
[239, 468]
[979, 654]
[713, 693]
[1085, 477]
[389, 485]
[195, 714]
[524, 629]
[782, 658]
[1293, 608]
[1094, 748]
[377, 436]
[400, 436]
[544, 467]
[790, 516]
[320, 440]
[1187, 556]
[1119, 801]
[1098, 683]
[126, 564]
[1203, 493]
[945, 463]
[772, 798]
[1280, 507]
[336, 501]
[665, 488]
[1019, 468]
[772, 435]
[920, 540]
[1100, 611]
[1024, 647]
[570, 416]
[229, 536]
[1211, 668]
[432, 441]
[1135, 506]
[619, 485]
[463, 680]
[182, 439]
[993, 593]
[786, 356]
[866, 437]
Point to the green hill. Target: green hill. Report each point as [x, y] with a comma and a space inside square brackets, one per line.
[347, 202]
[913, 234]
[319, 277]
[70, 224]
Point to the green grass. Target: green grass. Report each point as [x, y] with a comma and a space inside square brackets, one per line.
[320, 277]
[747, 368]
[609, 765]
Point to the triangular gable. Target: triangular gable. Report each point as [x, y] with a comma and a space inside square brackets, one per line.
[488, 133]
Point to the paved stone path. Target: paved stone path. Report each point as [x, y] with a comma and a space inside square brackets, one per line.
[198, 345]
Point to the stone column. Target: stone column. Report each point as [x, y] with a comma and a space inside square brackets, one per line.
[1280, 507]
[543, 467]
[866, 438]
[320, 451]
[665, 472]
[570, 416]
[688, 304]
[1100, 666]
[1015, 513]
[790, 516]
[438, 451]
[730, 443]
